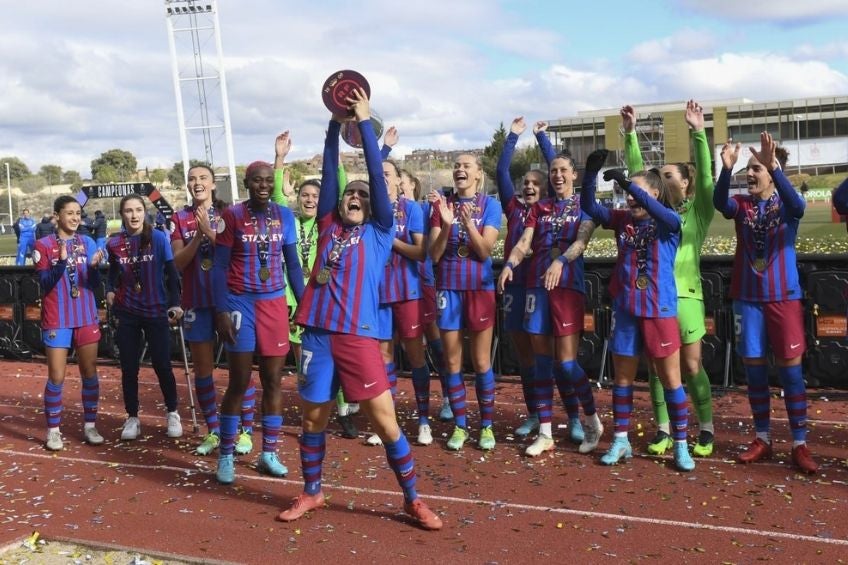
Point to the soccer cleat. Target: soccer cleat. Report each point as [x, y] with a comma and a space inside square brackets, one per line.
[374, 440]
[757, 450]
[132, 429]
[704, 445]
[445, 414]
[269, 464]
[803, 459]
[620, 447]
[92, 436]
[662, 443]
[487, 439]
[208, 445]
[575, 431]
[349, 430]
[54, 440]
[542, 444]
[244, 444]
[425, 435]
[226, 473]
[530, 425]
[175, 428]
[592, 437]
[422, 515]
[682, 460]
[301, 505]
[457, 439]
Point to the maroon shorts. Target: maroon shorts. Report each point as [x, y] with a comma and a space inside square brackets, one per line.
[359, 366]
[428, 305]
[568, 309]
[407, 319]
[785, 328]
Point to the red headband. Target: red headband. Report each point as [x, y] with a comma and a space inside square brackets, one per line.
[251, 168]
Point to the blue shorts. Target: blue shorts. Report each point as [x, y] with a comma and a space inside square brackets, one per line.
[513, 308]
[659, 337]
[64, 338]
[261, 322]
[199, 324]
[385, 322]
[537, 312]
[329, 360]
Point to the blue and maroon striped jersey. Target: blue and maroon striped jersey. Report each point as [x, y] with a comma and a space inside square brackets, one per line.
[643, 280]
[275, 226]
[555, 224]
[59, 310]
[144, 266]
[402, 281]
[425, 267]
[467, 273]
[196, 283]
[764, 265]
[515, 209]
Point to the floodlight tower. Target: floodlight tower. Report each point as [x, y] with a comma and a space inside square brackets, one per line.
[200, 87]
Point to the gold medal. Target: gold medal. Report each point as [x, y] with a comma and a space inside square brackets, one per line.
[555, 252]
[760, 264]
[264, 274]
[323, 276]
[206, 264]
[642, 282]
[463, 251]
[137, 288]
[75, 292]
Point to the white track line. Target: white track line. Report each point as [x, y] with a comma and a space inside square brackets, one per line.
[474, 502]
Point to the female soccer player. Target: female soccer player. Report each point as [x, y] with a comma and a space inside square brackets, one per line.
[692, 193]
[463, 231]
[339, 313]
[248, 281]
[67, 267]
[193, 245]
[840, 198]
[144, 294]
[645, 298]
[554, 237]
[766, 294]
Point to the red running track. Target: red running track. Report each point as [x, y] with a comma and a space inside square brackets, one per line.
[154, 495]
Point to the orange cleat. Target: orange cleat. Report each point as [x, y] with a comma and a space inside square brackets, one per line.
[757, 451]
[425, 517]
[302, 504]
[803, 459]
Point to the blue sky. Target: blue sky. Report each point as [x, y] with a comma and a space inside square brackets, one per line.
[82, 77]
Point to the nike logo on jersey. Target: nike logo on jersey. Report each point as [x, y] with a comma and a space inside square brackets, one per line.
[415, 326]
[369, 385]
[795, 346]
[690, 332]
[281, 344]
[565, 325]
[484, 319]
[664, 344]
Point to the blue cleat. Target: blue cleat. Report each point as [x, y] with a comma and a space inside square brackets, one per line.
[682, 460]
[269, 464]
[620, 447]
[575, 431]
[226, 473]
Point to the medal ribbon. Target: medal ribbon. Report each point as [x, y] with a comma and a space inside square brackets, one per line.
[205, 245]
[135, 262]
[340, 243]
[262, 238]
[763, 217]
[71, 247]
[645, 234]
[461, 232]
[305, 246]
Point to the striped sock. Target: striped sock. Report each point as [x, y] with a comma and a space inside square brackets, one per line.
[702, 398]
[313, 445]
[90, 398]
[758, 398]
[53, 404]
[580, 383]
[528, 385]
[658, 402]
[566, 393]
[271, 424]
[795, 397]
[678, 412]
[391, 372]
[248, 407]
[437, 355]
[402, 463]
[229, 430]
[484, 383]
[421, 384]
[456, 393]
[205, 388]
[622, 406]
[543, 389]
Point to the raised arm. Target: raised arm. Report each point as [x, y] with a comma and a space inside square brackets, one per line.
[506, 190]
[600, 214]
[632, 155]
[283, 187]
[792, 201]
[704, 187]
[381, 207]
[540, 130]
[390, 139]
[329, 194]
[721, 197]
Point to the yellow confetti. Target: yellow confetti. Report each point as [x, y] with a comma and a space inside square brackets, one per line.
[559, 525]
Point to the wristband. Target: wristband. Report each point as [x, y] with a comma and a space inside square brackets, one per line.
[562, 259]
[510, 265]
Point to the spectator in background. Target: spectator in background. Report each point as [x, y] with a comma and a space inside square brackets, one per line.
[85, 225]
[46, 226]
[25, 233]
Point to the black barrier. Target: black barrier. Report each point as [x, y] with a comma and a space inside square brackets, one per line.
[824, 278]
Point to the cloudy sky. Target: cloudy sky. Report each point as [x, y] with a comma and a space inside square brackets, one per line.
[78, 78]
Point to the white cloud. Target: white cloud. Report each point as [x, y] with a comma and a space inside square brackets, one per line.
[786, 12]
[683, 44]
